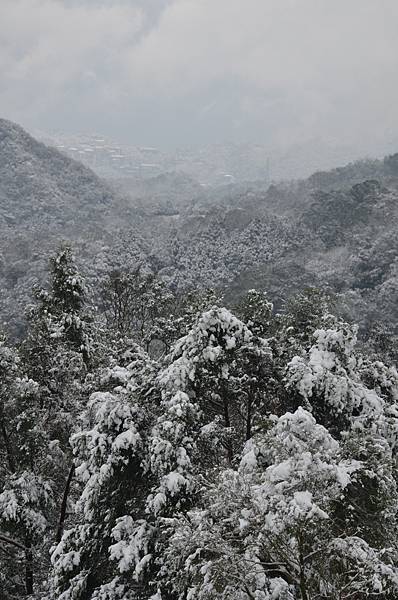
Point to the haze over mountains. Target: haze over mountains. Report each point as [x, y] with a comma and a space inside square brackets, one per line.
[335, 229]
[211, 165]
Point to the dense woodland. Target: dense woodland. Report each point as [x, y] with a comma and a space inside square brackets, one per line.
[197, 405]
[170, 447]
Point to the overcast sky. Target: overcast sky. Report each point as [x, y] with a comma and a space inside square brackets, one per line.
[173, 72]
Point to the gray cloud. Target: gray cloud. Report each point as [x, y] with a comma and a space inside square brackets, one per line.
[181, 71]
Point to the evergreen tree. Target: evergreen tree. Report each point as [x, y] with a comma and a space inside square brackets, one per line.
[270, 529]
[41, 399]
[65, 304]
[104, 555]
[29, 475]
[224, 367]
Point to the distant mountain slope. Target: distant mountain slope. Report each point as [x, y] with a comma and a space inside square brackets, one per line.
[45, 197]
[38, 182]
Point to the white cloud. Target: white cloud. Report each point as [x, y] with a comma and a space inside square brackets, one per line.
[289, 69]
[314, 56]
[47, 48]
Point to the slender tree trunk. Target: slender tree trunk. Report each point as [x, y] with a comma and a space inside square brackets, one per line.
[227, 423]
[10, 455]
[28, 567]
[303, 584]
[249, 418]
[64, 504]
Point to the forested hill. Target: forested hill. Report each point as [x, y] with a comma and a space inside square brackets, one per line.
[39, 185]
[336, 229]
[45, 197]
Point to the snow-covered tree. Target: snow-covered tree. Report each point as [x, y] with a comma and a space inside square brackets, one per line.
[340, 388]
[41, 398]
[237, 467]
[56, 352]
[224, 367]
[256, 311]
[104, 555]
[270, 530]
[30, 464]
[59, 313]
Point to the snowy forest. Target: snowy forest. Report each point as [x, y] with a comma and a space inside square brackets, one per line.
[163, 445]
[198, 300]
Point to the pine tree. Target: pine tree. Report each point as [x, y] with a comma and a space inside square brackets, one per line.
[28, 480]
[41, 399]
[224, 367]
[270, 528]
[56, 350]
[65, 306]
[256, 311]
[105, 554]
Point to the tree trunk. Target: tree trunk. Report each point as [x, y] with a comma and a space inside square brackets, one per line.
[249, 418]
[227, 423]
[64, 504]
[303, 584]
[10, 455]
[28, 567]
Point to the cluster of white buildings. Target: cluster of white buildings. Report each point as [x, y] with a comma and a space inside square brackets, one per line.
[214, 165]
